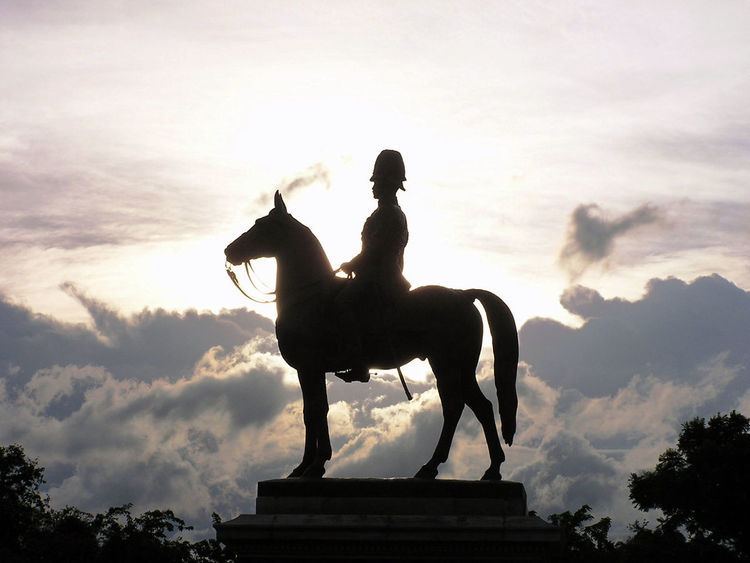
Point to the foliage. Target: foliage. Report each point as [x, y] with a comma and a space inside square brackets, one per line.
[666, 544]
[584, 543]
[31, 531]
[21, 505]
[702, 486]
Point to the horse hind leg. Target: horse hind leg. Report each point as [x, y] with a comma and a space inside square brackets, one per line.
[310, 448]
[482, 408]
[449, 389]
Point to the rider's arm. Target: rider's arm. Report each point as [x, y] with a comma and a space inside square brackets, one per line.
[352, 265]
[386, 236]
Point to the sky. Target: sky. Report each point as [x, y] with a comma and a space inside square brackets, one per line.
[589, 162]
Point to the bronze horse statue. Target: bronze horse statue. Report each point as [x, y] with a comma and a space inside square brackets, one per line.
[432, 322]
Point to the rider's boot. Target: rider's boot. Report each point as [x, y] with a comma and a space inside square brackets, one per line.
[350, 332]
[358, 372]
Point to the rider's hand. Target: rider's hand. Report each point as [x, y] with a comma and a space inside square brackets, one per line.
[347, 268]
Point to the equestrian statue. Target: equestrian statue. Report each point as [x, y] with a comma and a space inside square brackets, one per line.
[372, 319]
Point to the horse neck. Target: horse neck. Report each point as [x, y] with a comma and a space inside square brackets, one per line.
[301, 264]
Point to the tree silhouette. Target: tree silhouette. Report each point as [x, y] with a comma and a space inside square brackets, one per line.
[585, 543]
[702, 486]
[31, 531]
[702, 489]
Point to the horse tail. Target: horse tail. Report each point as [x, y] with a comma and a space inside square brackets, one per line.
[505, 350]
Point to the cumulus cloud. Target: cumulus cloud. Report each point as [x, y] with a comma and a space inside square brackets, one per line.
[160, 443]
[184, 410]
[595, 403]
[400, 438]
[143, 346]
[575, 449]
[648, 407]
[567, 473]
[591, 235]
[605, 399]
[674, 328]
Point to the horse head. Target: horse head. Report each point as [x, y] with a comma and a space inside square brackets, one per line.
[264, 239]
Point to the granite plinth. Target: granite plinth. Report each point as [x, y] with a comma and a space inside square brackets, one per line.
[390, 520]
[391, 496]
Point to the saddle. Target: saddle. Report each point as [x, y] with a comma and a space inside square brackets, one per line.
[364, 322]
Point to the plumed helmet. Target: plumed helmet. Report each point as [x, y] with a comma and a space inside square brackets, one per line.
[389, 165]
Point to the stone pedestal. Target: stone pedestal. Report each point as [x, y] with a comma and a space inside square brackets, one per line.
[390, 520]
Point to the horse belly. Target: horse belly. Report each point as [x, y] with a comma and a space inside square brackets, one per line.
[435, 320]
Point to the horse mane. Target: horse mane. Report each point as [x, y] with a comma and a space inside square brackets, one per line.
[309, 244]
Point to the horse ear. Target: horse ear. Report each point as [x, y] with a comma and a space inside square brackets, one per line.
[278, 203]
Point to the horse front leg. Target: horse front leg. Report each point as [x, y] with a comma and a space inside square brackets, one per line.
[315, 411]
[311, 420]
[319, 412]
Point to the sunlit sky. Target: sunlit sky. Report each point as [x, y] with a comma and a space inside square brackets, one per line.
[138, 139]
[547, 145]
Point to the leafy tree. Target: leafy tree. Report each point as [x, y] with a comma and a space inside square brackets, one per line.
[31, 531]
[124, 538]
[702, 486]
[22, 507]
[584, 543]
[666, 544]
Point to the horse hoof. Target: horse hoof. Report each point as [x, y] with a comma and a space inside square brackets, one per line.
[492, 475]
[315, 471]
[426, 473]
[298, 471]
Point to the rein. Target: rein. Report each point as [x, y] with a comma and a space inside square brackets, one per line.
[235, 281]
[274, 298]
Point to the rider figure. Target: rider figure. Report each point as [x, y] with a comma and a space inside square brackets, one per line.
[377, 269]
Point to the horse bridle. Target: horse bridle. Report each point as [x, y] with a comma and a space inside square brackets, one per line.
[248, 269]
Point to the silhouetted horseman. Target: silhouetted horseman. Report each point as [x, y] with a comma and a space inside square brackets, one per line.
[435, 323]
[378, 280]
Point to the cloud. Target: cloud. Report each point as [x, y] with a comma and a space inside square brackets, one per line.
[674, 328]
[575, 449]
[147, 407]
[179, 443]
[317, 173]
[400, 438]
[147, 345]
[184, 410]
[60, 194]
[567, 473]
[605, 399]
[704, 232]
[197, 433]
[725, 145]
[591, 236]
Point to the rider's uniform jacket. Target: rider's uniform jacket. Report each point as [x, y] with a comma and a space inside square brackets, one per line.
[384, 238]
